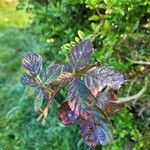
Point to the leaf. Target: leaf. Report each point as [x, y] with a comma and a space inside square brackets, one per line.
[81, 34]
[94, 18]
[66, 115]
[104, 102]
[32, 64]
[96, 130]
[81, 54]
[52, 73]
[100, 77]
[67, 68]
[27, 80]
[79, 98]
[39, 95]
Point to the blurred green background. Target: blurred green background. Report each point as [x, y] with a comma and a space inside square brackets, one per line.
[120, 30]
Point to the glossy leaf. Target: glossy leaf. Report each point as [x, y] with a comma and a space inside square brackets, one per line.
[65, 114]
[104, 102]
[32, 64]
[96, 130]
[100, 77]
[79, 98]
[52, 73]
[81, 55]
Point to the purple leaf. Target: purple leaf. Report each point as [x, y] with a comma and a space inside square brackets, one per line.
[67, 68]
[81, 55]
[100, 77]
[32, 64]
[96, 130]
[66, 115]
[52, 73]
[39, 95]
[104, 102]
[27, 80]
[79, 98]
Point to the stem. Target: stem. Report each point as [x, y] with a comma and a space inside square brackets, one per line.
[136, 96]
[88, 67]
[51, 96]
[98, 12]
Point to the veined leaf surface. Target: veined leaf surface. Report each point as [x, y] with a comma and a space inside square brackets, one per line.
[52, 73]
[80, 99]
[81, 54]
[96, 130]
[100, 77]
[32, 64]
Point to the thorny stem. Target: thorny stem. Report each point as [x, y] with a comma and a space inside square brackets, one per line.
[51, 96]
[136, 96]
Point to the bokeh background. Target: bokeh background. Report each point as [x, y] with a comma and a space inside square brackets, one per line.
[121, 31]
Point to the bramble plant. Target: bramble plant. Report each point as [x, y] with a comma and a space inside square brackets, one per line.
[89, 100]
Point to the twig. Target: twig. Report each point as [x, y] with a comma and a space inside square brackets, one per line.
[98, 12]
[136, 96]
[51, 96]
[130, 87]
[140, 62]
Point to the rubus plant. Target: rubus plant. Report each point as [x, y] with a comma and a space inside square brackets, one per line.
[89, 100]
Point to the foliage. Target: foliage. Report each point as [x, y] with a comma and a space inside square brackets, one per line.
[9, 16]
[119, 30]
[82, 95]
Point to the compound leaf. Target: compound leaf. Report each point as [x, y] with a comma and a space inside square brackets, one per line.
[80, 99]
[105, 100]
[81, 55]
[52, 73]
[32, 64]
[96, 130]
[100, 77]
[66, 115]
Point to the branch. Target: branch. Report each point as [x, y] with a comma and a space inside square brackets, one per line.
[51, 96]
[136, 96]
[140, 62]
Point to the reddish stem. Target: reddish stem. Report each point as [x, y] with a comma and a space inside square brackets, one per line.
[51, 96]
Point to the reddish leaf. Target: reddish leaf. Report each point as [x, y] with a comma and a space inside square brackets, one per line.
[100, 77]
[96, 130]
[32, 63]
[66, 115]
[79, 98]
[81, 55]
[103, 101]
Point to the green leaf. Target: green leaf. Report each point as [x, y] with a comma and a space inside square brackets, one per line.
[93, 18]
[81, 34]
